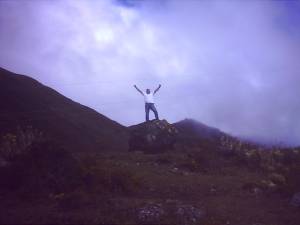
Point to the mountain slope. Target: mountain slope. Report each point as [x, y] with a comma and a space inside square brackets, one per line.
[193, 129]
[195, 133]
[196, 129]
[26, 102]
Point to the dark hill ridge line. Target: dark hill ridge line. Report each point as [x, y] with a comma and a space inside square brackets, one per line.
[25, 101]
[194, 128]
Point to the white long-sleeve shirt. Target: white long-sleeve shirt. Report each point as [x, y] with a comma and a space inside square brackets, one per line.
[149, 98]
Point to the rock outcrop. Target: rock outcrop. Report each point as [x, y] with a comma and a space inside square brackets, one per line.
[152, 137]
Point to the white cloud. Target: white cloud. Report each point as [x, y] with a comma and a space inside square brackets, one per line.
[230, 64]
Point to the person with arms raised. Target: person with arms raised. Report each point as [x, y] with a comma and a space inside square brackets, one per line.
[149, 101]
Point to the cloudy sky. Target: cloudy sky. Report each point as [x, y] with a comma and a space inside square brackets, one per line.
[230, 64]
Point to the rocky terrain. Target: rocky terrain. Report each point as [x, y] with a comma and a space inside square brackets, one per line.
[153, 137]
[182, 173]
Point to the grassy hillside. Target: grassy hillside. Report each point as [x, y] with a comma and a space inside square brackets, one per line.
[26, 102]
[195, 186]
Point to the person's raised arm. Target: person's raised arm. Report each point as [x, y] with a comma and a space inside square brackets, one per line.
[156, 90]
[138, 89]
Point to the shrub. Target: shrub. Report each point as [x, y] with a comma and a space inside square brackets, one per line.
[45, 166]
[106, 176]
[17, 143]
[72, 200]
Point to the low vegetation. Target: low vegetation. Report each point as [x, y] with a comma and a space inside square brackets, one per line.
[232, 183]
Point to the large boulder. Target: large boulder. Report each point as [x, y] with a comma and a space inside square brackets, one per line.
[152, 137]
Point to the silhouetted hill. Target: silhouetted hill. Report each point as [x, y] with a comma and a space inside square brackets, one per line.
[26, 102]
[196, 129]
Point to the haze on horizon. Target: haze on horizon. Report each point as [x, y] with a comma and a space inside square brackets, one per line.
[233, 65]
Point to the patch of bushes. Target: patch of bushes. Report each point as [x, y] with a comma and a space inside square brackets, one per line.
[293, 179]
[203, 160]
[18, 142]
[72, 200]
[109, 177]
[44, 167]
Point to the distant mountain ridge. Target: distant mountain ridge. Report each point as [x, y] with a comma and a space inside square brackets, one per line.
[26, 102]
[196, 129]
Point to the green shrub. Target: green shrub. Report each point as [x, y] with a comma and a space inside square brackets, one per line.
[105, 176]
[44, 167]
[72, 200]
[18, 142]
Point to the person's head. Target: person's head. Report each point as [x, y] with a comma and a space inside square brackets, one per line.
[148, 91]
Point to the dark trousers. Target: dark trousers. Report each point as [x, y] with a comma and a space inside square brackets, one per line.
[148, 107]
